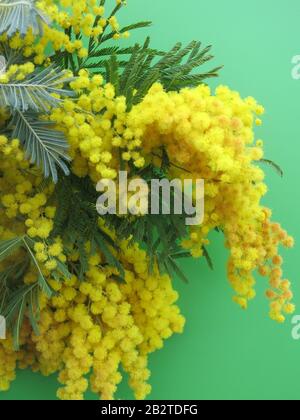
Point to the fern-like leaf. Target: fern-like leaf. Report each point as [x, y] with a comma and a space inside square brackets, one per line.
[19, 302]
[132, 27]
[19, 16]
[44, 146]
[7, 247]
[16, 299]
[174, 69]
[35, 92]
[111, 51]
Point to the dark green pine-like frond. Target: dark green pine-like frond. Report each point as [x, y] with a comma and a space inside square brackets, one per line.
[109, 51]
[160, 235]
[144, 66]
[76, 222]
[104, 37]
[132, 27]
[35, 93]
[45, 147]
[19, 16]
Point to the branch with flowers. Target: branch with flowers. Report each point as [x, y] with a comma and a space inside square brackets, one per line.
[88, 294]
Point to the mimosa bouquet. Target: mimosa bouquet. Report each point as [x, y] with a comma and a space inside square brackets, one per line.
[85, 294]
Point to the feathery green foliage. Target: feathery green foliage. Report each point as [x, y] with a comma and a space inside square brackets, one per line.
[35, 93]
[10, 56]
[9, 246]
[19, 16]
[25, 243]
[21, 301]
[45, 147]
[17, 299]
[160, 235]
[104, 37]
[146, 66]
[77, 222]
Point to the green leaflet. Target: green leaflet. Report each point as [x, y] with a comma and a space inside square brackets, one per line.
[34, 311]
[273, 165]
[9, 246]
[28, 245]
[16, 299]
[23, 299]
[132, 27]
[171, 267]
[208, 258]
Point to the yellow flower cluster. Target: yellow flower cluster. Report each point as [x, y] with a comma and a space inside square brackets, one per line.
[95, 325]
[70, 19]
[49, 255]
[152, 299]
[17, 72]
[212, 136]
[95, 126]
[20, 199]
[98, 325]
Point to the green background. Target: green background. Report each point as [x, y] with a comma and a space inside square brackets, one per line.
[226, 353]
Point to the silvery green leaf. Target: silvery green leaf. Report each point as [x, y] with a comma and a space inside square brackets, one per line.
[35, 93]
[44, 146]
[2, 65]
[19, 16]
